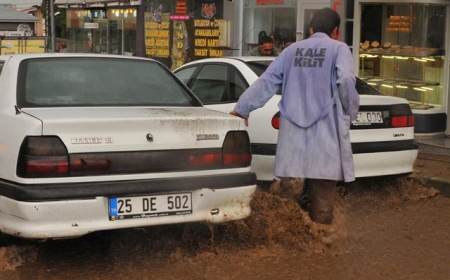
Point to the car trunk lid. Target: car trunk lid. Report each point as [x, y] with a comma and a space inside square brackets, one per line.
[134, 129]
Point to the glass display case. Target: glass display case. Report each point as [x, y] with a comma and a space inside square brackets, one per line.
[402, 52]
[411, 73]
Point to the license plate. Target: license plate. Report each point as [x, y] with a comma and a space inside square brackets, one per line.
[367, 118]
[149, 206]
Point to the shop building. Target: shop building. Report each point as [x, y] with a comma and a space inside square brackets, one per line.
[19, 32]
[400, 47]
[170, 31]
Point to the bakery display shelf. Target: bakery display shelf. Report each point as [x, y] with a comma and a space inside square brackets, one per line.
[422, 87]
[403, 53]
[376, 81]
[420, 106]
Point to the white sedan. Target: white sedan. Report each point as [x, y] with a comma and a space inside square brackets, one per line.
[382, 137]
[99, 142]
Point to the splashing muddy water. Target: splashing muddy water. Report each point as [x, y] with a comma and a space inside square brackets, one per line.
[379, 230]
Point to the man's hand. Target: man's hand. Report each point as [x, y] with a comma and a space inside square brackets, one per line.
[234, 113]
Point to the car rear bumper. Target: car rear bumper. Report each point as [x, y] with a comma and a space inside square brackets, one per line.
[383, 164]
[40, 192]
[73, 218]
[220, 201]
[263, 166]
[370, 159]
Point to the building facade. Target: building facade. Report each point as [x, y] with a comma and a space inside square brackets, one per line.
[400, 47]
[19, 32]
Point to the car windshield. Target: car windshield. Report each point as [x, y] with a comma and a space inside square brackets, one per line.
[362, 87]
[95, 81]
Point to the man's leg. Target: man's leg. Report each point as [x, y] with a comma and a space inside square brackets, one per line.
[323, 194]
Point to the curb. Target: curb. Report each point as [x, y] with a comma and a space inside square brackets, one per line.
[441, 184]
[426, 148]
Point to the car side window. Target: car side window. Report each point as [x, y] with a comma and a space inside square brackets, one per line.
[185, 74]
[237, 85]
[210, 84]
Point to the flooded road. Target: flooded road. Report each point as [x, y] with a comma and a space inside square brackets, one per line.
[383, 229]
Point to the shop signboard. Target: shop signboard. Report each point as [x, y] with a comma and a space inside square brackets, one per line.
[12, 33]
[179, 31]
[91, 25]
[20, 45]
[269, 2]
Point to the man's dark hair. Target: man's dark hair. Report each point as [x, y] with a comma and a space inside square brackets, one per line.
[325, 20]
[265, 39]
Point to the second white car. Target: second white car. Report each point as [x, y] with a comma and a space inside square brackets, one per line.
[382, 136]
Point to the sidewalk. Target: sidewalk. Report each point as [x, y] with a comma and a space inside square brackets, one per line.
[434, 145]
[436, 149]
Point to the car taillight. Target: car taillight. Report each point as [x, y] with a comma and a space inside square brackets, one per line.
[401, 116]
[43, 157]
[235, 152]
[236, 149]
[47, 156]
[276, 121]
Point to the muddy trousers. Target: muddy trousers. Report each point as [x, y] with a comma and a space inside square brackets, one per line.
[323, 194]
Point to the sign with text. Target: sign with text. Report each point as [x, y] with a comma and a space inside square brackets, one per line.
[157, 35]
[91, 25]
[269, 2]
[19, 46]
[206, 38]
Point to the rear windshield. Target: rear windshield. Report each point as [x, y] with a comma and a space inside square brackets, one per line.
[361, 87]
[81, 81]
[365, 89]
[259, 66]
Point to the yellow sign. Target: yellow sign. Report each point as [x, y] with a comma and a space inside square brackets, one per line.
[157, 35]
[19, 46]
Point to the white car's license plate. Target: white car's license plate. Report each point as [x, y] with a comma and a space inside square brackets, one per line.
[150, 206]
[367, 118]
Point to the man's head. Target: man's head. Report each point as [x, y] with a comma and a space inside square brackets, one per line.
[266, 46]
[327, 21]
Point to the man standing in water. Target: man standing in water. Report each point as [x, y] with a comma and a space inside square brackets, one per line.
[319, 100]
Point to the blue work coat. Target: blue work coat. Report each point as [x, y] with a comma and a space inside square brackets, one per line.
[313, 139]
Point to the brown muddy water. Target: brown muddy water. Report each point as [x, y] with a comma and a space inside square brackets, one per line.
[386, 228]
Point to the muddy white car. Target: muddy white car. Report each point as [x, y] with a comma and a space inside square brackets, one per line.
[98, 142]
[382, 136]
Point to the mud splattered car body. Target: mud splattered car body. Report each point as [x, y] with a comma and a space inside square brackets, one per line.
[98, 142]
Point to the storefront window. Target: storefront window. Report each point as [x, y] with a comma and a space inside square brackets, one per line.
[402, 51]
[110, 31]
[122, 31]
[269, 18]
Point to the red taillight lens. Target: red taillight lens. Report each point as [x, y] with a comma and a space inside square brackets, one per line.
[237, 158]
[46, 166]
[42, 157]
[205, 159]
[403, 121]
[276, 121]
[411, 121]
[402, 116]
[89, 164]
[399, 121]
